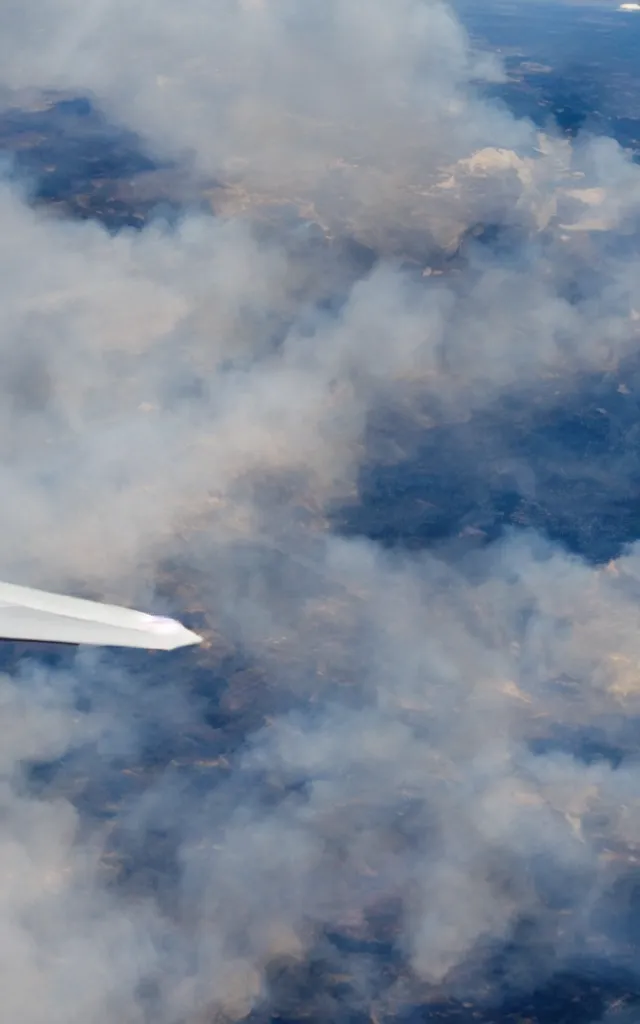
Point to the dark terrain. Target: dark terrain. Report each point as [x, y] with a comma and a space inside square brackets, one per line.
[568, 467]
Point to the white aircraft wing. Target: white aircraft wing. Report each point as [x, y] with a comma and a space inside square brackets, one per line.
[27, 614]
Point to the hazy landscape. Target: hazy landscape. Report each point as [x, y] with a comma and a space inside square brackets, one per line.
[321, 330]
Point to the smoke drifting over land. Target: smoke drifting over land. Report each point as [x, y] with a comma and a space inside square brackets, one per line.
[379, 765]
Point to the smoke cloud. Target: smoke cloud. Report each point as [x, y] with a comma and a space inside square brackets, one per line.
[392, 778]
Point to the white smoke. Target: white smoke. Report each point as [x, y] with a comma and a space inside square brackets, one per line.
[400, 731]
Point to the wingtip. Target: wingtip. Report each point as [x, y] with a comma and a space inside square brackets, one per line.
[191, 639]
[170, 633]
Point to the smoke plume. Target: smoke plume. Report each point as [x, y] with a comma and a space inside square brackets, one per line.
[395, 776]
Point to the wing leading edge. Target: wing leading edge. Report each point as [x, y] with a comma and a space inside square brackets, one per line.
[27, 614]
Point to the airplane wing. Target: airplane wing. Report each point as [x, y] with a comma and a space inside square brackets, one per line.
[27, 614]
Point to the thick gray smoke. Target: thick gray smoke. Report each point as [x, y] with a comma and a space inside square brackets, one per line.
[377, 763]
